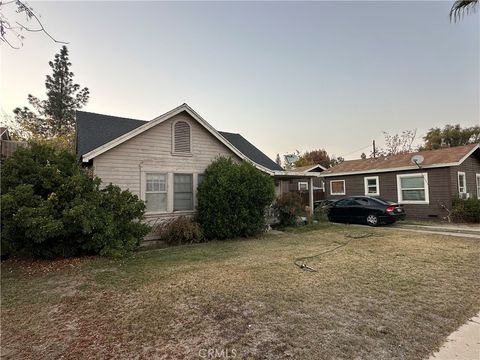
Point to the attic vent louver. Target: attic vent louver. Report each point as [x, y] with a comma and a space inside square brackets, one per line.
[181, 137]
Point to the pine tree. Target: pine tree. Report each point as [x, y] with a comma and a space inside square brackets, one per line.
[55, 116]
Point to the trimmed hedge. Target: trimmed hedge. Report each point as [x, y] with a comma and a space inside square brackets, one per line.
[466, 210]
[52, 208]
[232, 199]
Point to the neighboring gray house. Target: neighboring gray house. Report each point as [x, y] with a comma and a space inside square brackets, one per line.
[303, 185]
[162, 160]
[426, 188]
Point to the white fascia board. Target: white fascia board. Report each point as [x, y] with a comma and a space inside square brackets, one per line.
[468, 154]
[405, 168]
[296, 173]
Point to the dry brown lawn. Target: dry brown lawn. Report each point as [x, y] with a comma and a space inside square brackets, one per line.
[394, 295]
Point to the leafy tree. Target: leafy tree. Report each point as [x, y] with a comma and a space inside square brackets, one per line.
[13, 25]
[314, 157]
[460, 7]
[52, 208]
[55, 116]
[363, 156]
[397, 143]
[336, 160]
[450, 136]
[232, 199]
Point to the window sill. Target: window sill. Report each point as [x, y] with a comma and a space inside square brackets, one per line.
[175, 212]
[413, 202]
[337, 193]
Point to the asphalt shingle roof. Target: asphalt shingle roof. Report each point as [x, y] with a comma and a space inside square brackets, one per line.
[431, 158]
[250, 151]
[94, 130]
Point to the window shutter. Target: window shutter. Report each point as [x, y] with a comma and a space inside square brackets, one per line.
[182, 137]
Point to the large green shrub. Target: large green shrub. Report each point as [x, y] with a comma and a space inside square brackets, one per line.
[52, 208]
[232, 199]
[466, 210]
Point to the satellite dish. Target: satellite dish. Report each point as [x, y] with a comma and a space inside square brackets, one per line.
[417, 160]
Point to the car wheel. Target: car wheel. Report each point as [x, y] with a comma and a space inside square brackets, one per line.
[372, 220]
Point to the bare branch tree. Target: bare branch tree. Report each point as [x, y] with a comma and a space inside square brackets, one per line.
[11, 31]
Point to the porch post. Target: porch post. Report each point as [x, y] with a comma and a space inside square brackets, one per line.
[310, 193]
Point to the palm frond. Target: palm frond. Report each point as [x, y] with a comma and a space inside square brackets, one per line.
[462, 7]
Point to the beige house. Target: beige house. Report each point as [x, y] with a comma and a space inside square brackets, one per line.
[162, 160]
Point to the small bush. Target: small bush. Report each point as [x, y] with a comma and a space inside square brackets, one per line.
[321, 213]
[52, 208]
[180, 230]
[466, 210]
[290, 207]
[232, 199]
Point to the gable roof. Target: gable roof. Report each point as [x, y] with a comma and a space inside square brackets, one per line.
[308, 168]
[97, 133]
[432, 158]
[95, 130]
[250, 151]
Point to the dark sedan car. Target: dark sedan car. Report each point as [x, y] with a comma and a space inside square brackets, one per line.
[365, 210]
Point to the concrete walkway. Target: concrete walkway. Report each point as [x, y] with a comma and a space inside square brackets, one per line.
[472, 231]
[449, 233]
[463, 343]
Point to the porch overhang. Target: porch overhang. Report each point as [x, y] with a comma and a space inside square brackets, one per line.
[305, 175]
[288, 175]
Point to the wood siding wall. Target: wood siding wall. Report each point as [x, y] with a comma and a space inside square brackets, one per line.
[152, 151]
[470, 167]
[439, 184]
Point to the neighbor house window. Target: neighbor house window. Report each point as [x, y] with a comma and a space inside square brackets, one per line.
[478, 186]
[337, 187]
[181, 137]
[156, 192]
[413, 188]
[182, 192]
[372, 186]
[462, 185]
[302, 186]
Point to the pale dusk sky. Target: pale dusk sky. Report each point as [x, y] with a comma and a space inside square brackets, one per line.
[285, 75]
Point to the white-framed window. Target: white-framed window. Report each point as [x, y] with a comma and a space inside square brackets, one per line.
[156, 192]
[302, 186]
[477, 176]
[337, 187]
[182, 139]
[462, 182]
[182, 192]
[413, 188]
[372, 185]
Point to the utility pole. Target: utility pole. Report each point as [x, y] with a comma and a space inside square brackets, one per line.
[374, 150]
